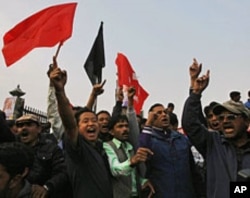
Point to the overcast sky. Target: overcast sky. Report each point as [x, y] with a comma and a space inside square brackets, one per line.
[159, 37]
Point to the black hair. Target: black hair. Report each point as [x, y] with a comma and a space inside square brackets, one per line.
[234, 94]
[171, 104]
[15, 157]
[77, 108]
[103, 111]
[116, 119]
[154, 105]
[80, 111]
[209, 107]
[173, 119]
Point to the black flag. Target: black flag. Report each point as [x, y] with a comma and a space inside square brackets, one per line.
[96, 60]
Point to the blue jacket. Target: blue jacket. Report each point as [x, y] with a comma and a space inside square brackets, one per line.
[169, 169]
[221, 156]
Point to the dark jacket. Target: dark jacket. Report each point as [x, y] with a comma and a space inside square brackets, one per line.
[49, 167]
[5, 133]
[88, 169]
[221, 156]
[25, 191]
[169, 168]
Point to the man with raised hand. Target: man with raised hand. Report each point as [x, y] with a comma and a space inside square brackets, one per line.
[123, 158]
[87, 162]
[227, 152]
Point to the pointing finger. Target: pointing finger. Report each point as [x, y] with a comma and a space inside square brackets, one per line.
[103, 83]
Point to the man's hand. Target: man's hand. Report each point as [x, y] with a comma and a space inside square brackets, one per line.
[48, 73]
[201, 83]
[150, 186]
[119, 94]
[98, 89]
[39, 192]
[131, 93]
[57, 76]
[140, 156]
[152, 116]
[194, 71]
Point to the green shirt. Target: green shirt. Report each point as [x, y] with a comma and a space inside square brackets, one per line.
[121, 168]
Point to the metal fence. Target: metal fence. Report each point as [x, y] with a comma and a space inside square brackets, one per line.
[40, 114]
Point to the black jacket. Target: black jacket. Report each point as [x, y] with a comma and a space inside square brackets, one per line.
[223, 159]
[5, 133]
[49, 167]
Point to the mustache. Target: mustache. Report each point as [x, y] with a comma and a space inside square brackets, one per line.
[125, 133]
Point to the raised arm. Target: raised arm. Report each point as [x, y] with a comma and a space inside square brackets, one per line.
[117, 109]
[132, 119]
[58, 78]
[96, 91]
[194, 72]
[191, 123]
[52, 111]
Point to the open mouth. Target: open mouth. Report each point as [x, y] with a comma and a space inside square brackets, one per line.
[24, 134]
[165, 121]
[91, 130]
[105, 127]
[215, 124]
[228, 129]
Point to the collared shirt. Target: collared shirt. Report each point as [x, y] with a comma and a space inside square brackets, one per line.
[121, 168]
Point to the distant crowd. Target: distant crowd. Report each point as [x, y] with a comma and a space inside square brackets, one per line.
[81, 153]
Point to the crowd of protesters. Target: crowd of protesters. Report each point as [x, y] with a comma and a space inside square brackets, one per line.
[120, 154]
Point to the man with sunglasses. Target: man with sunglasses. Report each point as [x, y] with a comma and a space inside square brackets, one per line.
[234, 119]
[226, 153]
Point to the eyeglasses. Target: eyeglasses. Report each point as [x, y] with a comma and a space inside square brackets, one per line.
[230, 117]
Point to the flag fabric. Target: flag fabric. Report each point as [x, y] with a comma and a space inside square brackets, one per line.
[45, 28]
[127, 77]
[96, 59]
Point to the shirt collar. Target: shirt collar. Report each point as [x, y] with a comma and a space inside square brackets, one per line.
[118, 144]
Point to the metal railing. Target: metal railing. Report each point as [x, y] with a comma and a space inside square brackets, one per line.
[40, 114]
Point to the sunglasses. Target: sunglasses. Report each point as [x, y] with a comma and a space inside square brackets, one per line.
[230, 117]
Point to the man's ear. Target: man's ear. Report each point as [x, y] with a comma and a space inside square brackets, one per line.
[25, 172]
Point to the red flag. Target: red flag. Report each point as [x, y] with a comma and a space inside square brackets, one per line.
[127, 76]
[45, 28]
